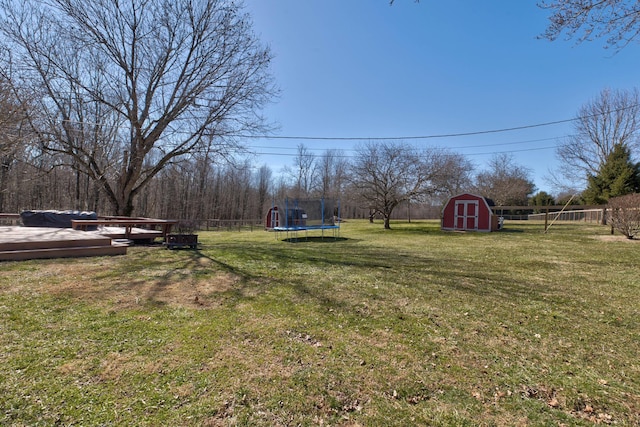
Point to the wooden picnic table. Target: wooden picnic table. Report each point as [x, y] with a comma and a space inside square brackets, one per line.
[128, 224]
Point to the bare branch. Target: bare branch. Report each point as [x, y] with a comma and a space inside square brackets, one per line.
[137, 83]
[613, 117]
[617, 21]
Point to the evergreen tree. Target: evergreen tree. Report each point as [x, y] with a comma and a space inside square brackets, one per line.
[617, 176]
[542, 198]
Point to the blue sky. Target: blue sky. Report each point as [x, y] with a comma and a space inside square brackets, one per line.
[365, 69]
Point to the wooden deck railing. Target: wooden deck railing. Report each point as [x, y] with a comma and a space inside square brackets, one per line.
[9, 219]
[128, 223]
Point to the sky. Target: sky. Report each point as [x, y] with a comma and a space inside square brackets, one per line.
[365, 69]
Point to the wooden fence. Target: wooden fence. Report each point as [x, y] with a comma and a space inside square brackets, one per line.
[230, 224]
[200, 224]
[585, 215]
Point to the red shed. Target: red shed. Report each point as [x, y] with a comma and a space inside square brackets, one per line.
[468, 212]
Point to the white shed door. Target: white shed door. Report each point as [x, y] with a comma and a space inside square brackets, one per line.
[466, 215]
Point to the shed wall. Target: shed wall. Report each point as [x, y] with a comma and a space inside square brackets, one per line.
[468, 212]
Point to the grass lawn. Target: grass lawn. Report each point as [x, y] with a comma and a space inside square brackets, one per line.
[409, 326]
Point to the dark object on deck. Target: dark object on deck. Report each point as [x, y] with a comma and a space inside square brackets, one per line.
[181, 241]
[54, 219]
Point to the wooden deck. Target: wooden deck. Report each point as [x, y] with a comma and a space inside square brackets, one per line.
[19, 243]
[131, 228]
[139, 235]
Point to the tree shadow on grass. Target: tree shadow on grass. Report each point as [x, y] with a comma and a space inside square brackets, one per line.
[243, 271]
[159, 277]
[468, 277]
[428, 273]
[433, 228]
[511, 230]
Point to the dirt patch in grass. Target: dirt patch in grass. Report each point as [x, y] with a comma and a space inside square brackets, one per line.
[188, 292]
[109, 282]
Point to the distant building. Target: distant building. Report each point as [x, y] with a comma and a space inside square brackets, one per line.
[469, 212]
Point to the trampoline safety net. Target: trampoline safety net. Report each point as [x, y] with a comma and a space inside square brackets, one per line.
[303, 214]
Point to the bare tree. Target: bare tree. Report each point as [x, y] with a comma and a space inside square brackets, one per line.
[12, 117]
[612, 118]
[13, 136]
[305, 171]
[458, 174]
[332, 166]
[263, 185]
[624, 214]
[505, 182]
[618, 21]
[387, 174]
[126, 87]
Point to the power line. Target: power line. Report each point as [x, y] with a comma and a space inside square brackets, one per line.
[284, 154]
[513, 151]
[373, 138]
[418, 137]
[349, 156]
[449, 148]
[444, 135]
[401, 138]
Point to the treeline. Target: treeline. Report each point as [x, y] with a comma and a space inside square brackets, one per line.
[191, 188]
[82, 129]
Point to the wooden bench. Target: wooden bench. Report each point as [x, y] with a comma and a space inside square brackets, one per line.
[128, 224]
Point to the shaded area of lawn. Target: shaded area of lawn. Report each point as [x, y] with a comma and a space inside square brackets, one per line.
[409, 326]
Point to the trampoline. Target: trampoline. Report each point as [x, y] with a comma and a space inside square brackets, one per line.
[292, 216]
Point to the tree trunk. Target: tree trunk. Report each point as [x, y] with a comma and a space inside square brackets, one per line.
[5, 166]
[386, 223]
[125, 208]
